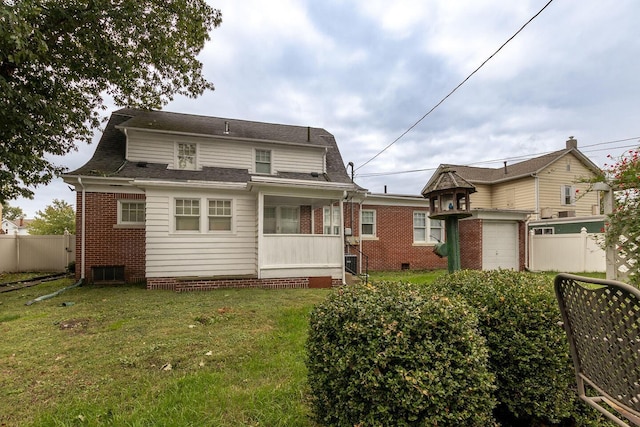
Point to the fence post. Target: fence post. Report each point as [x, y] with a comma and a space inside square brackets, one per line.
[583, 244]
[531, 247]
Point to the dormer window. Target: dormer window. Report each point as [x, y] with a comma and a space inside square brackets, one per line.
[263, 161]
[186, 156]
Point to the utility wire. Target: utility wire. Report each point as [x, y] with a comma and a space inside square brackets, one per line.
[456, 88]
[522, 157]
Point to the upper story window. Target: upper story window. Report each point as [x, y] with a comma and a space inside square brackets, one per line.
[368, 223]
[186, 156]
[187, 214]
[263, 161]
[130, 212]
[220, 215]
[568, 195]
[426, 230]
[331, 220]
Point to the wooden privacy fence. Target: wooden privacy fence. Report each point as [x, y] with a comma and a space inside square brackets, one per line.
[20, 253]
[576, 253]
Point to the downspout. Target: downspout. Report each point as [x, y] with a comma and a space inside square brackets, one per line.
[83, 234]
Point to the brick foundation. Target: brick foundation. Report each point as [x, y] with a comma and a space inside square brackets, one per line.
[185, 285]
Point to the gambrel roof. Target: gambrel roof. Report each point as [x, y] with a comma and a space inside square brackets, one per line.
[109, 157]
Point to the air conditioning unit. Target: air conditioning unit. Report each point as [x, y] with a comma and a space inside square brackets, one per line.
[546, 213]
[566, 214]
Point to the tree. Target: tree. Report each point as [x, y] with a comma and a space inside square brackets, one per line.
[55, 219]
[623, 227]
[11, 212]
[59, 58]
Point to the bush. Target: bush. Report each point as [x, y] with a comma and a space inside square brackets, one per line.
[394, 354]
[528, 350]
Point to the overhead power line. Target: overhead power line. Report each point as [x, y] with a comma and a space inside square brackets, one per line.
[519, 158]
[456, 88]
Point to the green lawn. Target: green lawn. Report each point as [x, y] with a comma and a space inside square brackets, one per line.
[122, 355]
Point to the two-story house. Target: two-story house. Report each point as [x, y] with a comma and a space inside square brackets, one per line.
[529, 195]
[548, 185]
[193, 202]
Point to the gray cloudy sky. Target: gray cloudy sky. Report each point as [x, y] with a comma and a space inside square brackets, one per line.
[366, 71]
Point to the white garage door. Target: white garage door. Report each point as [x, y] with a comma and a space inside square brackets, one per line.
[499, 245]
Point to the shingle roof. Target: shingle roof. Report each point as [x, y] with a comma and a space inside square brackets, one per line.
[109, 157]
[516, 170]
[447, 179]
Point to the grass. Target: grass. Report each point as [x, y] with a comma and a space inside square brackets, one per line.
[123, 355]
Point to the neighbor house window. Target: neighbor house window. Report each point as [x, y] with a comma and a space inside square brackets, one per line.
[281, 220]
[426, 230]
[263, 161]
[186, 156]
[331, 220]
[187, 214]
[130, 212]
[368, 223]
[220, 215]
[543, 230]
[568, 195]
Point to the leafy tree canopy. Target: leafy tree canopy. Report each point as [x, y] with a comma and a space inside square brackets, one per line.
[11, 212]
[55, 219]
[58, 58]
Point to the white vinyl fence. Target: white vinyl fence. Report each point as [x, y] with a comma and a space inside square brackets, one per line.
[571, 253]
[20, 253]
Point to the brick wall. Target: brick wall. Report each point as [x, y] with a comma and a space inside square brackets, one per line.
[182, 285]
[394, 245]
[107, 245]
[470, 244]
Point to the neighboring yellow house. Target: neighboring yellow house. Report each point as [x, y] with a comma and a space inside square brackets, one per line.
[548, 185]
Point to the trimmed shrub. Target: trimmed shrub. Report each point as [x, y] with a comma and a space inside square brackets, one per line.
[528, 350]
[395, 354]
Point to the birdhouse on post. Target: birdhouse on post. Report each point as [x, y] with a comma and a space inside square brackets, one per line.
[448, 195]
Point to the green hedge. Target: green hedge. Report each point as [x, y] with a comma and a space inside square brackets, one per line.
[528, 350]
[397, 354]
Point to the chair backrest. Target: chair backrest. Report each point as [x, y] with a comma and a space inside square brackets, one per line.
[602, 321]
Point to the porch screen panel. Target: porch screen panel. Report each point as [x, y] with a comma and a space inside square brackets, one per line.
[289, 220]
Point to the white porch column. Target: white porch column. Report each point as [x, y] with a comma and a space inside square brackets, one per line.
[260, 233]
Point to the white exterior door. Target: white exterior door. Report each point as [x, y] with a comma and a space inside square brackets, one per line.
[499, 245]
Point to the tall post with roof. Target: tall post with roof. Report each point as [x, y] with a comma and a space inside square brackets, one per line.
[448, 195]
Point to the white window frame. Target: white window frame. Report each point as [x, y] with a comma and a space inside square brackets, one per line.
[431, 239]
[280, 219]
[328, 222]
[187, 165]
[259, 161]
[539, 231]
[372, 223]
[223, 208]
[186, 215]
[122, 210]
[427, 227]
[571, 195]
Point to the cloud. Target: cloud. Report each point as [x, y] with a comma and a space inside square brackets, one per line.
[367, 71]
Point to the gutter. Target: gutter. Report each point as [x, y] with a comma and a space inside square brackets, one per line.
[83, 234]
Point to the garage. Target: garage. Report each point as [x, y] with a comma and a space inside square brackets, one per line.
[500, 245]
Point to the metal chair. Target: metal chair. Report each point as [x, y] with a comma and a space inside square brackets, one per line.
[602, 322]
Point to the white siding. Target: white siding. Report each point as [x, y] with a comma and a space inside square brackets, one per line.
[188, 254]
[212, 152]
[555, 176]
